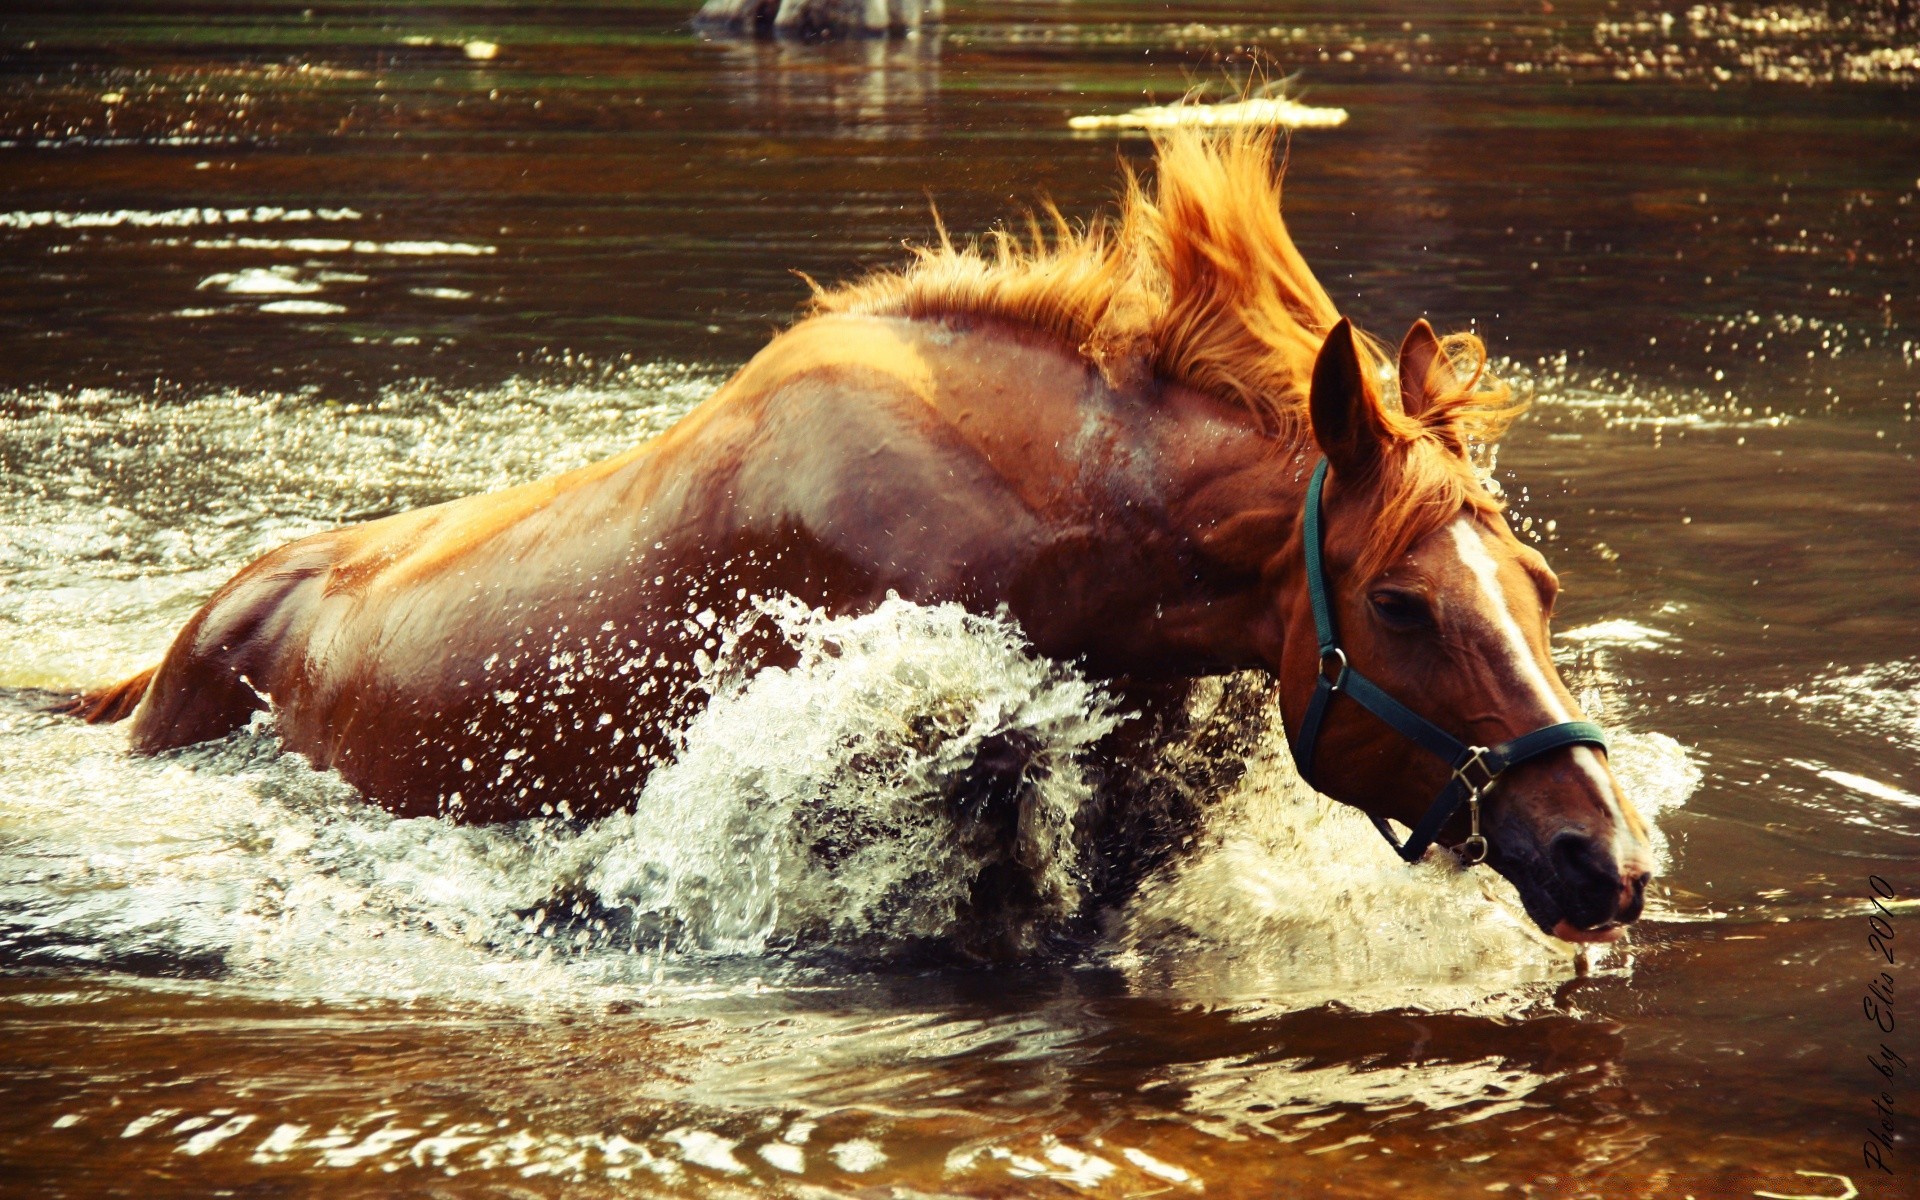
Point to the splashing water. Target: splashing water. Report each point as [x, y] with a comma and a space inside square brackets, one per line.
[827, 803]
[1292, 899]
[916, 778]
[835, 804]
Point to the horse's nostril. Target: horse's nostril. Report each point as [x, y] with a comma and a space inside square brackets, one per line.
[1589, 879]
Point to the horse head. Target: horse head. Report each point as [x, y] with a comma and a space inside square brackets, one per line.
[1443, 609]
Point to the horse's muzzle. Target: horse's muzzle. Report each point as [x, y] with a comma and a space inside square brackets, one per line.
[1579, 890]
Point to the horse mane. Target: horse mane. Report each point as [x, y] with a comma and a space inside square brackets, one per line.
[1197, 281]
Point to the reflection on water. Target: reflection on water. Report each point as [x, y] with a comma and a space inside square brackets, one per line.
[819, 18]
[917, 1075]
[874, 89]
[271, 270]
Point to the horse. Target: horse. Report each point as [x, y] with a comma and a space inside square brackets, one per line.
[1107, 431]
[818, 18]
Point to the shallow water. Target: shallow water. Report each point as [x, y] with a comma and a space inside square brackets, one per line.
[272, 268]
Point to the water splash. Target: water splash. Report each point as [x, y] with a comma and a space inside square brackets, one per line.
[915, 777]
[1292, 901]
[841, 801]
[836, 804]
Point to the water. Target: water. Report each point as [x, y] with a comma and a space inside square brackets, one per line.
[272, 270]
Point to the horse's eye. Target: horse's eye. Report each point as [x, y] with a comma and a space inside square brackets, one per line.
[1401, 610]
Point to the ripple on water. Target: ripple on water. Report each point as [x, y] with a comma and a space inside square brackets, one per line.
[1876, 703]
[1881, 698]
[685, 1155]
[172, 218]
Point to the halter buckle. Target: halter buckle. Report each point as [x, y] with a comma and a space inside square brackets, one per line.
[1473, 851]
[1476, 757]
[1339, 673]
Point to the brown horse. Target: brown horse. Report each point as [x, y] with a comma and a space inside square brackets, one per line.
[1108, 431]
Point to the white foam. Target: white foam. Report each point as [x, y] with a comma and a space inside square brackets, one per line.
[858, 1155]
[171, 217]
[261, 281]
[1292, 899]
[1616, 632]
[347, 246]
[1658, 775]
[705, 1149]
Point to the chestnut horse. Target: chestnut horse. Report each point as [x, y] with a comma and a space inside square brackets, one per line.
[1108, 430]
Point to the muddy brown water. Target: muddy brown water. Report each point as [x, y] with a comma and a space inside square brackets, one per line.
[268, 267]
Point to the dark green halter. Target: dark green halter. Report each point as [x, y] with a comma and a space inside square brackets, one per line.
[1475, 768]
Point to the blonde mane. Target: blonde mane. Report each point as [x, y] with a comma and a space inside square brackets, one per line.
[1197, 281]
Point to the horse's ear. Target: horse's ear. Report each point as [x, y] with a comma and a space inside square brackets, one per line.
[1348, 422]
[1424, 370]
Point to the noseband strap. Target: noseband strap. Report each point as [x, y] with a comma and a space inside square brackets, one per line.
[1474, 768]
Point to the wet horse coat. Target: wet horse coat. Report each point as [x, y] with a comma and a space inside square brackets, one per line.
[1109, 436]
[537, 646]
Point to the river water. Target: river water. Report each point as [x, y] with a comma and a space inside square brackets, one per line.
[272, 267]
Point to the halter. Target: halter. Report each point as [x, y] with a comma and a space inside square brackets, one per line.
[1475, 768]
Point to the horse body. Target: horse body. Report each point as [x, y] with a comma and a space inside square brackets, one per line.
[538, 646]
[1109, 435]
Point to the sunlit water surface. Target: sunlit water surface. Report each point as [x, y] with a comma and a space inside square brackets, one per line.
[270, 271]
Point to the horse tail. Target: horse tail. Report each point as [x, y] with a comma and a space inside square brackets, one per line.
[104, 706]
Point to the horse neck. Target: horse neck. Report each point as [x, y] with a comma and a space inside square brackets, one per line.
[1151, 478]
[1231, 487]
[1223, 516]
